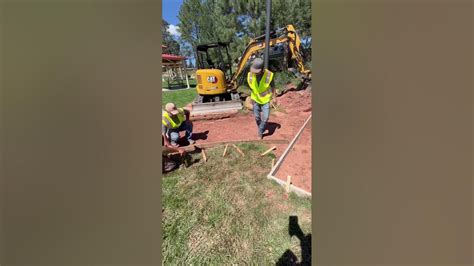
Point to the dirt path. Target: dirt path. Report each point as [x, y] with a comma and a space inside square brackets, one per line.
[282, 125]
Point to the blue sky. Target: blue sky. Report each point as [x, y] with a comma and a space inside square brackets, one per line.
[171, 10]
[170, 14]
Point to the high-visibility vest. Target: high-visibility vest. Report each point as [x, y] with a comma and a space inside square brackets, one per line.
[261, 93]
[169, 123]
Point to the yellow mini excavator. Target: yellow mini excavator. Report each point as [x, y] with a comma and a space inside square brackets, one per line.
[216, 82]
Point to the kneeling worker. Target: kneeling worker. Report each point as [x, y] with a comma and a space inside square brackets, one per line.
[175, 120]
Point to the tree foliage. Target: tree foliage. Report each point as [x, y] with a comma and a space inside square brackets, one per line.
[236, 21]
[172, 45]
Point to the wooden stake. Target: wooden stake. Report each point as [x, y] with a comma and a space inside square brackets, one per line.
[237, 148]
[225, 150]
[288, 182]
[204, 155]
[268, 151]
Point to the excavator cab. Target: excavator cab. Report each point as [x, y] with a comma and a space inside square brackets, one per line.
[214, 70]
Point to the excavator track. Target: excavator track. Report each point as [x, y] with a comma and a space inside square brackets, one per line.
[216, 107]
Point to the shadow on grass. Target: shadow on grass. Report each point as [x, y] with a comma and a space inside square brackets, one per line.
[175, 87]
[289, 258]
[177, 161]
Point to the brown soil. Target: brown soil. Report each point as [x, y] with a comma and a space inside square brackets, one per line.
[297, 163]
[295, 108]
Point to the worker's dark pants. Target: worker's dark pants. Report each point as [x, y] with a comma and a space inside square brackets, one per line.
[261, 112]
[173, 134]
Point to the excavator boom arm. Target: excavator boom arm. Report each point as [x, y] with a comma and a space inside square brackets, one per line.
[288, 35]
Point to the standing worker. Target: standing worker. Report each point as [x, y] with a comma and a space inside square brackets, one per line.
[262, 93]
[173, 121]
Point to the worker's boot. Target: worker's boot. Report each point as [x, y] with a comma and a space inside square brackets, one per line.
[261, 129]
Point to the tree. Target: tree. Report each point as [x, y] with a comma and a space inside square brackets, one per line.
[191, 21]
[296, 12]
[173, 46]
[227, 26]
[208, 21]
[252, 13]
[236, 21]
[186, 50]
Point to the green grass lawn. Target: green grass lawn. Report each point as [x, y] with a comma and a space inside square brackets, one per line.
[226, 211]
[192, 83]
[179, 97]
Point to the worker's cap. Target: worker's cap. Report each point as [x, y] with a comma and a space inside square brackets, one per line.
[171, 108]
[257, 66]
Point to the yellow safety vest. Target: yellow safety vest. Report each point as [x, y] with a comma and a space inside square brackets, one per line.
[169, 123]
[261, 93]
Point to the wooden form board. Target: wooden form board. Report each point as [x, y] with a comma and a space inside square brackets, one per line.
[275, 168]
[230, 142]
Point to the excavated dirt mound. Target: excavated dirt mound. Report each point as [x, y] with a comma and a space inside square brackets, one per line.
[296, 101]
[295, 108]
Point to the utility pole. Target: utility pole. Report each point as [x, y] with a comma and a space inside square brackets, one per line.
[267, 33]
